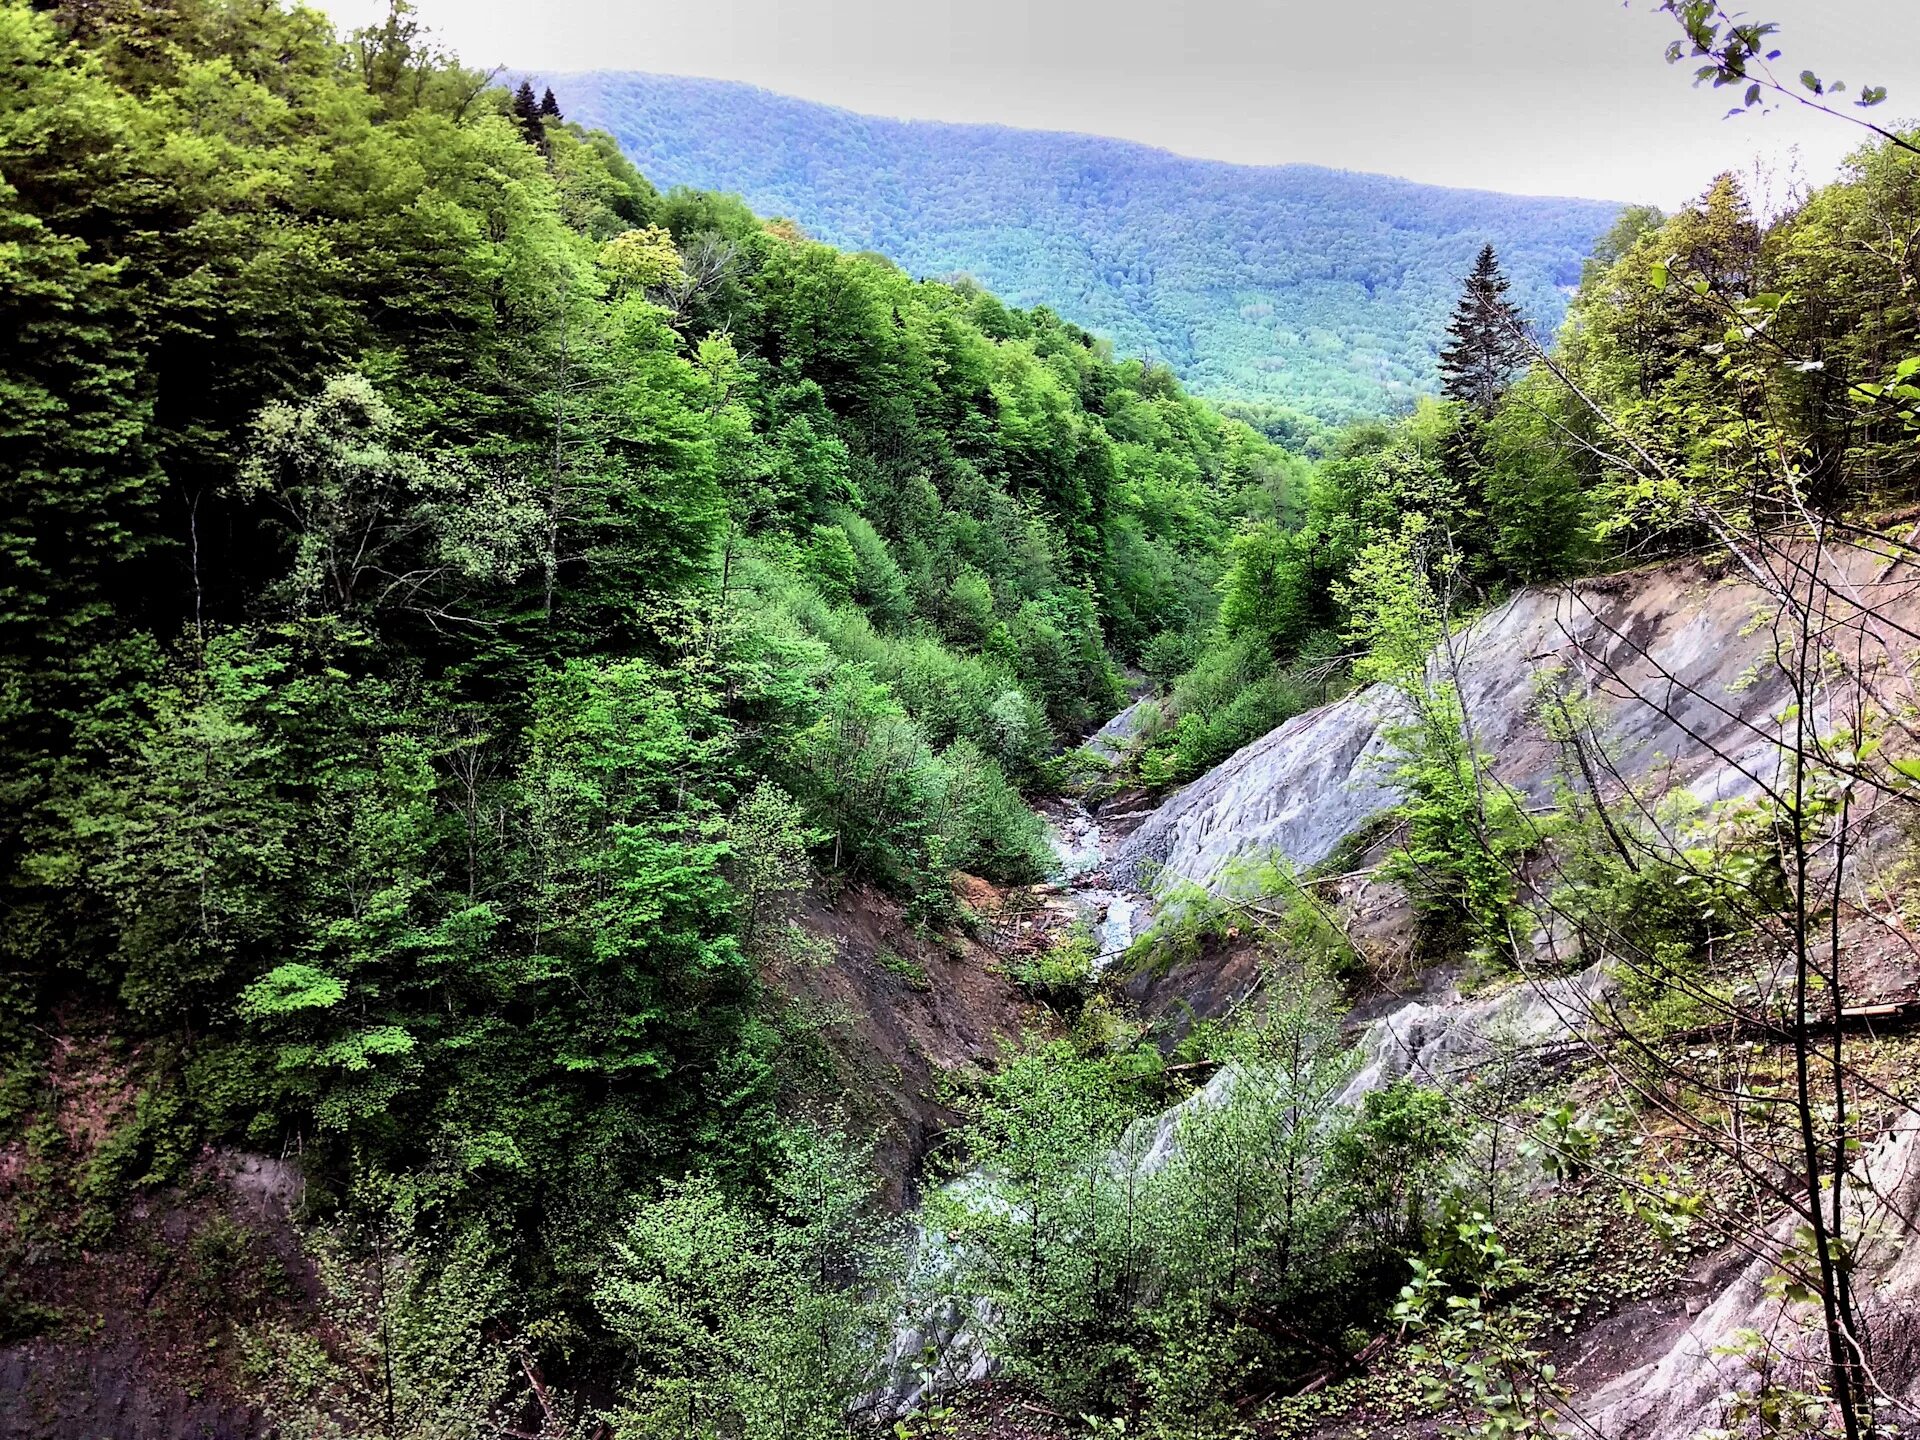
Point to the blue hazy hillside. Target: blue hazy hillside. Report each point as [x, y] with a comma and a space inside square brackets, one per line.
[1323, 290]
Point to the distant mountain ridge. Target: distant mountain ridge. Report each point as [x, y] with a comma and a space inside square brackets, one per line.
[1322, 290]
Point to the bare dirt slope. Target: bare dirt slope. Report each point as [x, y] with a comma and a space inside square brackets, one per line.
[903, 1013]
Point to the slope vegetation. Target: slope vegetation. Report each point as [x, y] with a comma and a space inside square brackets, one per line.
[1319, 290]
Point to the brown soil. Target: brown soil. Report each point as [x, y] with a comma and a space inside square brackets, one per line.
[1202, 986]
[905, 1014]
[1000, 1410]
[125, 1324]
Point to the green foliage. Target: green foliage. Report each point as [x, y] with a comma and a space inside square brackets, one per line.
[457, 598]
[388, 746]
[1486, 339]
[1782, 346]
[1465, 833]
[1052, 1243]
[1464, 829]
[1062, 973]
[1142, 1271]
[1232, 695]
[1395, 1158]
[768, 842]
[412, 1352]
[906, 968]
[1735, 355]
[1565, 1141]
[1290, 912]
[753, 1321]
[1662, 887]
[1482, 1357]
[1309, 292]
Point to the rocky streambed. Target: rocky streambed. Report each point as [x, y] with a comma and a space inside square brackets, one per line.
[1084, 847]
[943, 1338]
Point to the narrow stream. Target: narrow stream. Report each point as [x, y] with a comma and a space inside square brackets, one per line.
[1083, 848]
[1429, 1037]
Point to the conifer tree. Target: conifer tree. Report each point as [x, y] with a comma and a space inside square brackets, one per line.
[549, 107]
[526, 110]
[1484, 346]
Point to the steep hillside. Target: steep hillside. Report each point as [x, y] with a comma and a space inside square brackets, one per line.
[1321, 290]
[1675, 693]
[542, 805]
[1680, 674]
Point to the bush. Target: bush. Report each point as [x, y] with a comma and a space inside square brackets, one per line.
[831, 563]
[966, 610]
[893, 811]
[1167, 656]
[985, 828]
[1201, 738]
[755, 1321]
[1060, 975]
[1394, 1158]
[1157, 1263]
[879, 585]
[1465, 830]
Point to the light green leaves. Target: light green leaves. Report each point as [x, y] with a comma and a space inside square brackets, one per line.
[642, 260]
[290, 989]
[358, 1051]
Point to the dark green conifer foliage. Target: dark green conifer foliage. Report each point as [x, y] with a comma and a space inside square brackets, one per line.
[526, 110]
[1485, 345]
[549, 107]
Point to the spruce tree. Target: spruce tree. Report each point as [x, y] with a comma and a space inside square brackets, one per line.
[1485, 345]
[549, 107]
[526, 110]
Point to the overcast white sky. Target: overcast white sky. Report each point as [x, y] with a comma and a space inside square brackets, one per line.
[1568, 97]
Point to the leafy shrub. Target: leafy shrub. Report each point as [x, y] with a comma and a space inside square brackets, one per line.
[1061, 973]
[1156, 1263]
[985, 826]
[1465, 830]
[754, 1320]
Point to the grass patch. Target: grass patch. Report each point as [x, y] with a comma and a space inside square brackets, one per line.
[910, 970]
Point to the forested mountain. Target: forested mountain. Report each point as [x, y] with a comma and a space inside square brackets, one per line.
[1317, 290]
[453, 600]
[530, 711]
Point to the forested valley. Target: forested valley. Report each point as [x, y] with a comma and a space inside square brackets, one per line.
[1300, 297]
[547, 725]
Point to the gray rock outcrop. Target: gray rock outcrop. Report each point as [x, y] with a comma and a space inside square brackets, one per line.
[1674, 663]
[1687, 1390]
[1113, 740]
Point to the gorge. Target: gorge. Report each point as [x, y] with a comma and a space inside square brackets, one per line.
[620, 822]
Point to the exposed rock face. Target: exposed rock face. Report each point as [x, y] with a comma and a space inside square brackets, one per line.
[142, 1347]
[1431, 1041]
[1440, 1040]
[1113, 740]
[1296, 792]
[55, 1390]
[1677, 673]
[1676, 663]
[1681, 1393]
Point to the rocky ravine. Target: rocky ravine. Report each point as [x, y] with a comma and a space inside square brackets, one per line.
[1675, 663]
